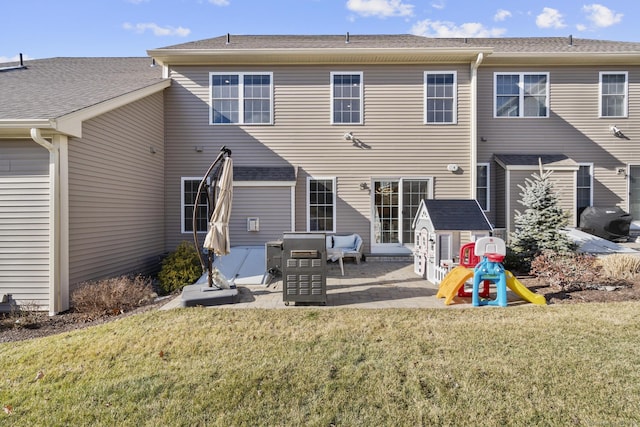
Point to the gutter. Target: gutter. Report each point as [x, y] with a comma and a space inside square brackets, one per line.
[474, 124]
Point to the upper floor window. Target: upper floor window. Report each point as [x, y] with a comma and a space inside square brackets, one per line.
[613, 94]
[440, 97]
[521, 94]
[188, 201]
[346, 98]
[321, 206]
[241, 98]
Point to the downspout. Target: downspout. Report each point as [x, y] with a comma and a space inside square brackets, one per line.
[56, 303]
[474, 125]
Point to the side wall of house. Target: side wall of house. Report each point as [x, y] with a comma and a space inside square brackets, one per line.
[116, 192]
[270, 204]
[24, 222]
[393, 141]
[573, 127]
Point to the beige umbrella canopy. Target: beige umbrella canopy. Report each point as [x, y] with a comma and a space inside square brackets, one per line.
[217, 238]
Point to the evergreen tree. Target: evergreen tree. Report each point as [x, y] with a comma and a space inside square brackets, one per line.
[539, 227]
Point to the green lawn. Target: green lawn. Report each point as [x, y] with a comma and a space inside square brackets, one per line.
[529, 365]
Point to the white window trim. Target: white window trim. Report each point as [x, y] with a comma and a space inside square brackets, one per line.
[488, 165]
[308, 202]
[182, 218]
[341, 73]
[241, 75]
[521, 75]
[626, 94]
[455, 98]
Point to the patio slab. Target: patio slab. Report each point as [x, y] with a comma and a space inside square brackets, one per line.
[368, 285]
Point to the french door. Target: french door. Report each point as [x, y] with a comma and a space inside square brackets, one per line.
[395, 204]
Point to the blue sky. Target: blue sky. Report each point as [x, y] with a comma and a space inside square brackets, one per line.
[49, 28]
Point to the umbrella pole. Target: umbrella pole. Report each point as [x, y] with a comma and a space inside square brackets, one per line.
[208, 265]
[210, 269]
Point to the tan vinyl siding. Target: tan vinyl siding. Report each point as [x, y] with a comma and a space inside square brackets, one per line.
[24, 222]
[116, 188]
[392, 142]
[269, 204]
[563, 185]
[573, 127]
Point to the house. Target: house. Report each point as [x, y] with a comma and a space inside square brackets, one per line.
[81, 174]
[441, 225]
[328, 133]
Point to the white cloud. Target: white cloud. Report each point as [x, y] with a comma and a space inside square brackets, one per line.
[137, 1]
[431, 28]
[219, 2]
[438, 5]
[550, 18]
[501, 15]
[156, 29]
[14, 58]
[581, 27]
[380, 8]
[601, 16]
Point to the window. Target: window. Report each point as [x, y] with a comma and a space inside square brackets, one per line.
[188, 196]
[241, 98]
[321, 204]
[346, 98]
[440, 97]
[482, 186]
[521, 94]
[584, 185]
[613, 94]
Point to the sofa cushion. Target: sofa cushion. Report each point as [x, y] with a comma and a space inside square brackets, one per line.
[345, 242]
[329, 242]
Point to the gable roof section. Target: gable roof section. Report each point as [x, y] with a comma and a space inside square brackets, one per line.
[456, 215]
[532, 161]
[400, 48]
[58, 93]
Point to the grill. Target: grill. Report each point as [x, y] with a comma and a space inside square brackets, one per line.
[611, 223]
[304, 268]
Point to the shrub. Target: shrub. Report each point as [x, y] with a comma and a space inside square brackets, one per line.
[112, 296]
[620, 266]
[539, 227]
[515, 263]
[571, 272]
[180, 268]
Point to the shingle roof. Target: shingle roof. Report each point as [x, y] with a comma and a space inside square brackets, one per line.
[51, 88]
[264, 173]
[456, 215]
[399, 41]
[532, 160]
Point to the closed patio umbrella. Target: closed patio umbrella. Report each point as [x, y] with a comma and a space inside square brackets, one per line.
[217, 238]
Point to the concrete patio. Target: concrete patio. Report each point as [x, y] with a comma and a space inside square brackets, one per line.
[371, 284]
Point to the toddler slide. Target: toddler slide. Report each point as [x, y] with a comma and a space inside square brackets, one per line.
[452, 282]
[516, 286]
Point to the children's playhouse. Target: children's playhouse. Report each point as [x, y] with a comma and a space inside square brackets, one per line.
[440, 225]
